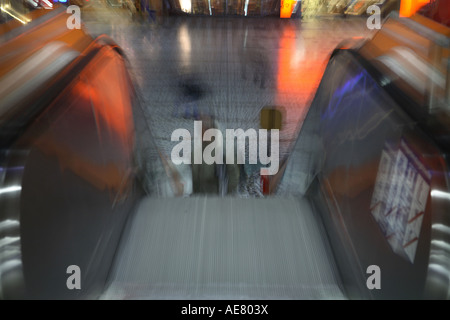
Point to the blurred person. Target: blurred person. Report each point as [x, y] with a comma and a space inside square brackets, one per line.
[166, 7]
[216, 178]
[254, 61]
[205, 179]
[166, 11]
[191, 92]
[143, 7]
[129, 4]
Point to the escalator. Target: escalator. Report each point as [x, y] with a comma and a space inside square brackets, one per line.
[224, 248]
[82, 183]
[373, 157]
[71, 180]
[67, 159]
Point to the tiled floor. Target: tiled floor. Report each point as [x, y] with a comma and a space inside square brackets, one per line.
[240, 65]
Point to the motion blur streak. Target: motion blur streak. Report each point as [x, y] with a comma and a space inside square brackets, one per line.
[440, 194]
[10, 189]
[8, 224]
[85, 178]
[15, 14]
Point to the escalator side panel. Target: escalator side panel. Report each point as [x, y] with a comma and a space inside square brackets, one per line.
[78, 181]
[353, 123]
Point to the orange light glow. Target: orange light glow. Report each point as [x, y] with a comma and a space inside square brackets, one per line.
[294, 77]
[110, 99]
[409, 7]
[286, 8]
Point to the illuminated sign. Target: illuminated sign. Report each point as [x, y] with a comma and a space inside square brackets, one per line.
[286, 8]
[409, 7]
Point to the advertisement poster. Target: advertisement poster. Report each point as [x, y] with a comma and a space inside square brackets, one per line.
[399, 198]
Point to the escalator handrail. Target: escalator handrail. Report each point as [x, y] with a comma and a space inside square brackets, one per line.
[409, 105]
[53, 89]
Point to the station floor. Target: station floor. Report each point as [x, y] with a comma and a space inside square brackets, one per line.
[225, 68]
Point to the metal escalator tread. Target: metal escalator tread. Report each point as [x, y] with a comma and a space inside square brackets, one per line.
[223, 248]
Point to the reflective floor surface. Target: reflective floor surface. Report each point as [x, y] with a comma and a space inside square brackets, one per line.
[188, 68]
